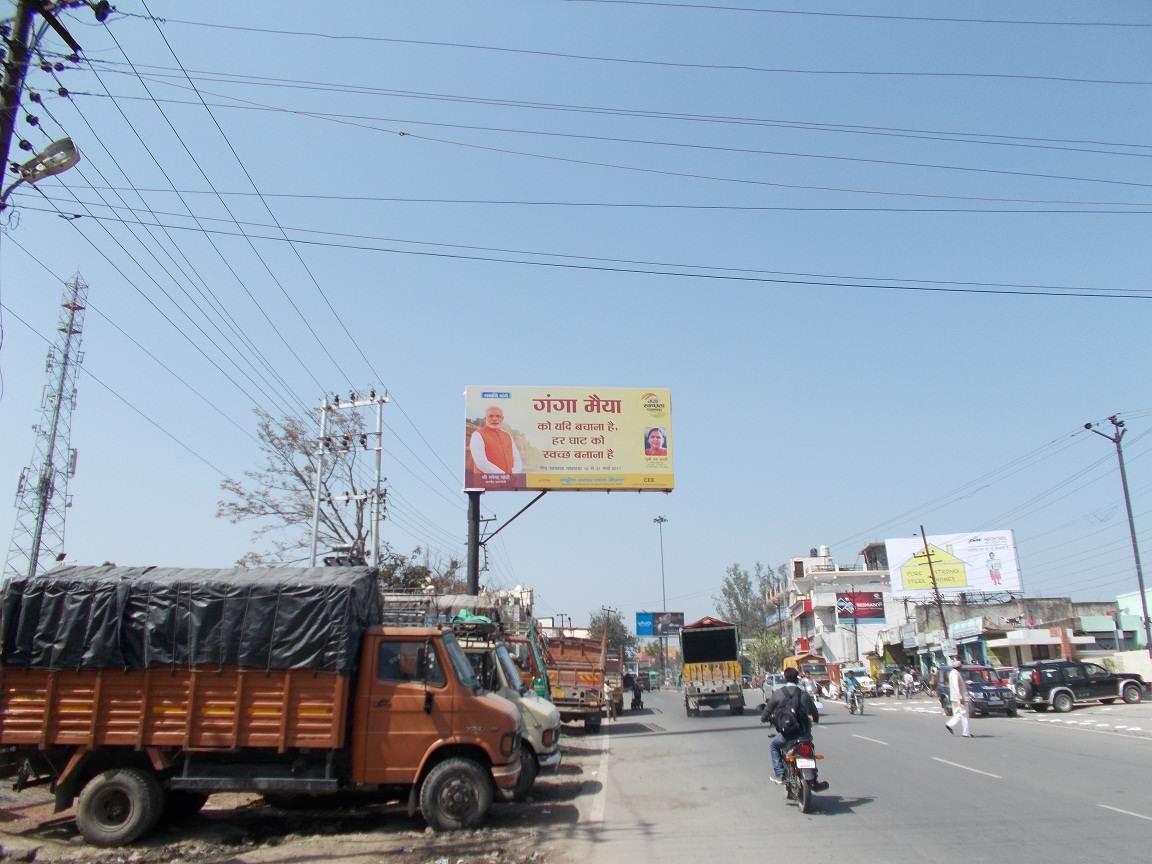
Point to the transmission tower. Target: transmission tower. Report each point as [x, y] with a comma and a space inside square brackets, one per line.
[42, 493]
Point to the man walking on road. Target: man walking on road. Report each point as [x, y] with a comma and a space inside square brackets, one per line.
[958, 696]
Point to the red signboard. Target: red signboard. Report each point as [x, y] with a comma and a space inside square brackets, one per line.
[867, 606]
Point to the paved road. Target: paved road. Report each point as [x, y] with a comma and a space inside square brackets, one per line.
[1027, 789]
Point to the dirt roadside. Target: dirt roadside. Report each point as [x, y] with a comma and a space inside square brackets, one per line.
[242, 829]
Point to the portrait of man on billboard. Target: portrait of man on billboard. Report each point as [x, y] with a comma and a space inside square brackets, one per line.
[494, 454]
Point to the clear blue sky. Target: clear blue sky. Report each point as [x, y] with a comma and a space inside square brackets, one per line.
[787, 150]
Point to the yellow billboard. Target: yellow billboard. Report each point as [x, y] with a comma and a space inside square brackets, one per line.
[537, 438]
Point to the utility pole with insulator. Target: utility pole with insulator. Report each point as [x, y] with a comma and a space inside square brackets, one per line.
[1115, 438]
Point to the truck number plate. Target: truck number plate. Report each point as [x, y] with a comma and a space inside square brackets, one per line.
[805, 763]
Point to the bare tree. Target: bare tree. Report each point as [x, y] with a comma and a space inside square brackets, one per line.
[279, 496]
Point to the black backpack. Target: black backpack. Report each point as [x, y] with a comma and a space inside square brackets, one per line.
[787, 719]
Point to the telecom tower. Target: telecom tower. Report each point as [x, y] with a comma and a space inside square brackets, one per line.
[42, 493]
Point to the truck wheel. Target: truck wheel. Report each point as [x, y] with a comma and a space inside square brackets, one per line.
[1132, 694]
[180, 804]
[527, 773]
[1062, 702]
[455, 794]
[736, 710]
[592, 725]
[119, 806]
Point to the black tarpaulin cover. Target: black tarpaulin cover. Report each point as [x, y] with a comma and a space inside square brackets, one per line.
[145, 617]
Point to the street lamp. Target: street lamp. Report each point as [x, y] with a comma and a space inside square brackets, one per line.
[54, 159]
[660, 520]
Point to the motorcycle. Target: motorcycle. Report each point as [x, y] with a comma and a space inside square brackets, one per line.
[856, 703]
[800, 773]
[886, 688]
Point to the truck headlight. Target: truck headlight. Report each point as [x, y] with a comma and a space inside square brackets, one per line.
[509, 743]
[549, 737]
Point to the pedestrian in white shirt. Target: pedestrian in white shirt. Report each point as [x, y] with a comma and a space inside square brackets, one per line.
[958, 696]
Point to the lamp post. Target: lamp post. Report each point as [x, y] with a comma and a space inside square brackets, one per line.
[660, 520]
[1115, 438]
[54, 159]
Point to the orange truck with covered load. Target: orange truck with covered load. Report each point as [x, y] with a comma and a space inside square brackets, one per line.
[137, 691]
[576, 669]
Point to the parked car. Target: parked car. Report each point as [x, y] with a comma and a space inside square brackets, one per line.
[986, 693]
[867, 682]
[1060, 684]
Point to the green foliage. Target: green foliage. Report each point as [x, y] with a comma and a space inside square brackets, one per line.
[742, 598]
[619, 638]
[768, 651]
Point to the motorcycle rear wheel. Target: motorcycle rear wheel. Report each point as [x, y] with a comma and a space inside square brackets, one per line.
[804, 796]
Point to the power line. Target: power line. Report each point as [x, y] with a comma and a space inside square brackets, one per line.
[863, 16]
[636, 61]
[381, 238]
[127, 402]
[679, 274]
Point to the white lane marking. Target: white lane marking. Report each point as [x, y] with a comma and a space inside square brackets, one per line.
[966, 768]
[1125, 812]
[866, 738]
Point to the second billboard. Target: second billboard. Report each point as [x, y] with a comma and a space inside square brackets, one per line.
[659, 623]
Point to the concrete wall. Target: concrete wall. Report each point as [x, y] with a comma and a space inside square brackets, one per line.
[1032, 611]
[1135, 661]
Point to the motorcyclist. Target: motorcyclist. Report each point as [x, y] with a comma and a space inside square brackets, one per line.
[850, 685]
[789, 693]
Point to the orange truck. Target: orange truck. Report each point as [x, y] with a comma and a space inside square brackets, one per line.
[137, 692]
[576, 671]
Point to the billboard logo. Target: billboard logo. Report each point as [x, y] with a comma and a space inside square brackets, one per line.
[495, 394]
[653, 404]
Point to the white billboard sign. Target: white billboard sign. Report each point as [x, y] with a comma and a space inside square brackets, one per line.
[985, 561]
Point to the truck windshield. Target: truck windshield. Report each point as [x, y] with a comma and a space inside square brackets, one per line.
[459, 661]
[510, 669]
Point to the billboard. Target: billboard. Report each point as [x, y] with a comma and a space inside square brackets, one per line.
[984, 561]
[659, 623]
[866, 607]
[546, 438]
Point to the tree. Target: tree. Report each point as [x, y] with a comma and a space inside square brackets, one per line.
[279, 498]
[619, 638]
[651, 650]
[768, 650]
[742, 598]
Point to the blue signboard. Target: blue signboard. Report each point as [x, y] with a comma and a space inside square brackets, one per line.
[659, 623]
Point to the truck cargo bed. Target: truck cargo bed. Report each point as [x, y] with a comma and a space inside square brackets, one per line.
[195, 709]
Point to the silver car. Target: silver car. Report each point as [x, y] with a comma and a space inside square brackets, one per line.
[771, 682]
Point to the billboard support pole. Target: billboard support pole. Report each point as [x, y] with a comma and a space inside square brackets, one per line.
[660, 520]
[935, 589]
[474, 540]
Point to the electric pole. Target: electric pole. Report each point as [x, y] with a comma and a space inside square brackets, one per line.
[935, 587]
[1115, 438]
[42, 492]
[660, 520]
[362, 550]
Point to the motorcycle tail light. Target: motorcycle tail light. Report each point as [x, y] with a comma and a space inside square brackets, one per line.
[805, 749]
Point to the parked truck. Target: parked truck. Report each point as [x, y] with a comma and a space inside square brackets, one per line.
[137, 691]
[576, 671]
[479, 628]
[710, 649]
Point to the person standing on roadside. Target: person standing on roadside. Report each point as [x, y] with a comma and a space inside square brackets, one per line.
[958, 696]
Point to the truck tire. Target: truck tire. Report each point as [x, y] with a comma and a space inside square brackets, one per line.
[528, 771]
[455, 794]
[736, 710]
[181, 804]
[592, 725]
[119, 806]
[1132, 694]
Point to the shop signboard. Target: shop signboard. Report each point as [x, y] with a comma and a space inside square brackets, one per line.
[866, 607]
[953, 563]
[574, 438]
